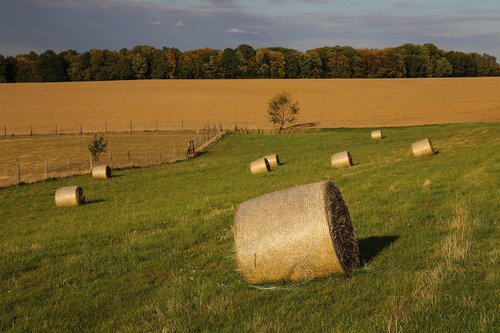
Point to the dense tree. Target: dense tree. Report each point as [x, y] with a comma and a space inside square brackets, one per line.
[312, 66]
[52, 67]
[146, 62]
[3, 69]
[28, 68]
[230, 64]
[10, 69]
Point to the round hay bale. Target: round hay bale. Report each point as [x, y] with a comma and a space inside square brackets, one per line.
[377, 134]
[341, 160]
[101, 172]
[69, 196]
[422, 148]
[298, 233]
[273, 160]
[260, 166]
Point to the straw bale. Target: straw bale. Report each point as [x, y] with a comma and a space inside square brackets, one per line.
[298, 233]
[260, 166]
[341, 160]
[69, 196]
[273, 160]
[101, 172]
[377, 134]
[422, 148]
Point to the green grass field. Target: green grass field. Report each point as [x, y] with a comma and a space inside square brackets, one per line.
[153, 249]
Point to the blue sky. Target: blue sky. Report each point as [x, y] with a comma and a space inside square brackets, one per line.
[471, 26]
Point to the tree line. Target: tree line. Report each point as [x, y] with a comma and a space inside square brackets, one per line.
[147, 62]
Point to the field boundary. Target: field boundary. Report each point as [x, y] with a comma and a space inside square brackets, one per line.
[201, 140]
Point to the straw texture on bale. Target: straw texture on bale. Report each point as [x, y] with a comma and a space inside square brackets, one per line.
[260, 166]
[377, 134]
[101, 172]
[273, 160]
[298, 233]
[341, 160]
[422, 148]
[69, 196]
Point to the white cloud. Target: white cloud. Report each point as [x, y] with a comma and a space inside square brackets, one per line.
[237, 31]
[156, 22]
[179, 23]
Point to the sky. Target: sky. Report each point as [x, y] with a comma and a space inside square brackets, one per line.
[39, 25]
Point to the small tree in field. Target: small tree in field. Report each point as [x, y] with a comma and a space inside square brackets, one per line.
[97, 146]
[282, 111]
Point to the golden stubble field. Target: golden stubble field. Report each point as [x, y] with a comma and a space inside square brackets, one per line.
[173, 104]
[191, 104]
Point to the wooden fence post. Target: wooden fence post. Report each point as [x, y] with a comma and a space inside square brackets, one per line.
[130, 127]
[4, 130]
[46, 170]
[157, 126]
[81, 128]
[31, 130]
[18, 173]
[175, 159]
[56, 129]
[129, 163]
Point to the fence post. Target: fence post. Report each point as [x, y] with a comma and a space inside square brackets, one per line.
[130, 127]
[4, 130]
[31, 130]
[18, 173]
[81, 128]
[46, 169]
[91, 164]
[70, 165]
[106, 127]
[128, 154]
[147, 156]
[56, 129]
[159, 153]
[157, 126]
[175, 158]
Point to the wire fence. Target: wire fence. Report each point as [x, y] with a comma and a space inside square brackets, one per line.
[156, 152]
[130, 126]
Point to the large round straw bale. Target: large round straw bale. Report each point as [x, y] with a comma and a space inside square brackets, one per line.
[273, 160]
[298, 233]
[341, 160]
[422, 148]
[101, 172]
[69, 196]
[377, 134]
[260, 166]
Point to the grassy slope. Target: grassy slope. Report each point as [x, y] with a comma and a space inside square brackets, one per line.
[154, 250]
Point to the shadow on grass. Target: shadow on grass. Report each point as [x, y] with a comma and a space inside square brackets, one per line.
[95, 201]
[370, 247]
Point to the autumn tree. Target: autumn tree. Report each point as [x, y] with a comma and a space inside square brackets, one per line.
[282, 111]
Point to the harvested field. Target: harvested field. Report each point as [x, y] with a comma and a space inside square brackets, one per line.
[193, 103]
[32, 152]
